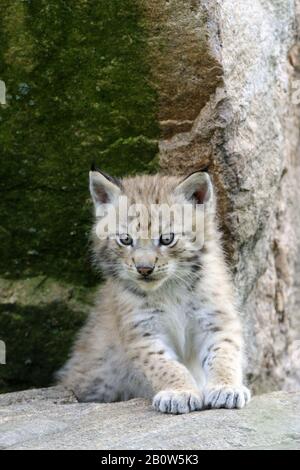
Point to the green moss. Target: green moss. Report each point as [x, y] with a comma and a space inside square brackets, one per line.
[38, 340]
[78, 91]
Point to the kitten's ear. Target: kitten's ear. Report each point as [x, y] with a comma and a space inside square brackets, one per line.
[196, 188]
[104, 188]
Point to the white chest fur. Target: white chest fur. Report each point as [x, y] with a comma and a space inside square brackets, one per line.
[178, 323]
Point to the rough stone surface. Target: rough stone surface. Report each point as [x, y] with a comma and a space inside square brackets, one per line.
[245, 131]
[51, 419]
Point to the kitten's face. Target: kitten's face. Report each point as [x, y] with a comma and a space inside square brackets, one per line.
[150, 247]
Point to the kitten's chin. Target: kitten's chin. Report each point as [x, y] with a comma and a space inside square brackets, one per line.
[151, 284]
[148, 285]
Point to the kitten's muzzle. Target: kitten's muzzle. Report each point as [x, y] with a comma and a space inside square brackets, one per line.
[145, 271]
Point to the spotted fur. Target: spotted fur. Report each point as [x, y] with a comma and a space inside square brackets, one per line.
[176, 337]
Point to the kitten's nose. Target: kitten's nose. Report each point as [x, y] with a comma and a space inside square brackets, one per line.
[145, 270]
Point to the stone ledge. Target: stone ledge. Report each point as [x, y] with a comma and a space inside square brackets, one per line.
[53, 419]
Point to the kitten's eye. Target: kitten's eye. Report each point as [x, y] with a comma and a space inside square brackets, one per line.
[126, 239]
[167, 239]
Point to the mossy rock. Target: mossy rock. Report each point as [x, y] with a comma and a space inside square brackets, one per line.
[38, 340]
[78, 91]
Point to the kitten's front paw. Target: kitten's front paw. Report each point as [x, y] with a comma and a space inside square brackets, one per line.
[177, 402]
[226, 397]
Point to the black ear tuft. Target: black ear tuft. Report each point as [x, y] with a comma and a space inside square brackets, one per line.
[94, 167]
[112, 179]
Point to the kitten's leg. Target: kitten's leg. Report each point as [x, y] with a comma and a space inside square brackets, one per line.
[97, 375]
[176, 390]
[222, 360]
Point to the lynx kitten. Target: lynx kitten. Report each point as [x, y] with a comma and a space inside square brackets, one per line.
[165, 325]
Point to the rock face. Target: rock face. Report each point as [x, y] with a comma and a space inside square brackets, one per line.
[223, 78]
[226, 74]
[51, 419]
